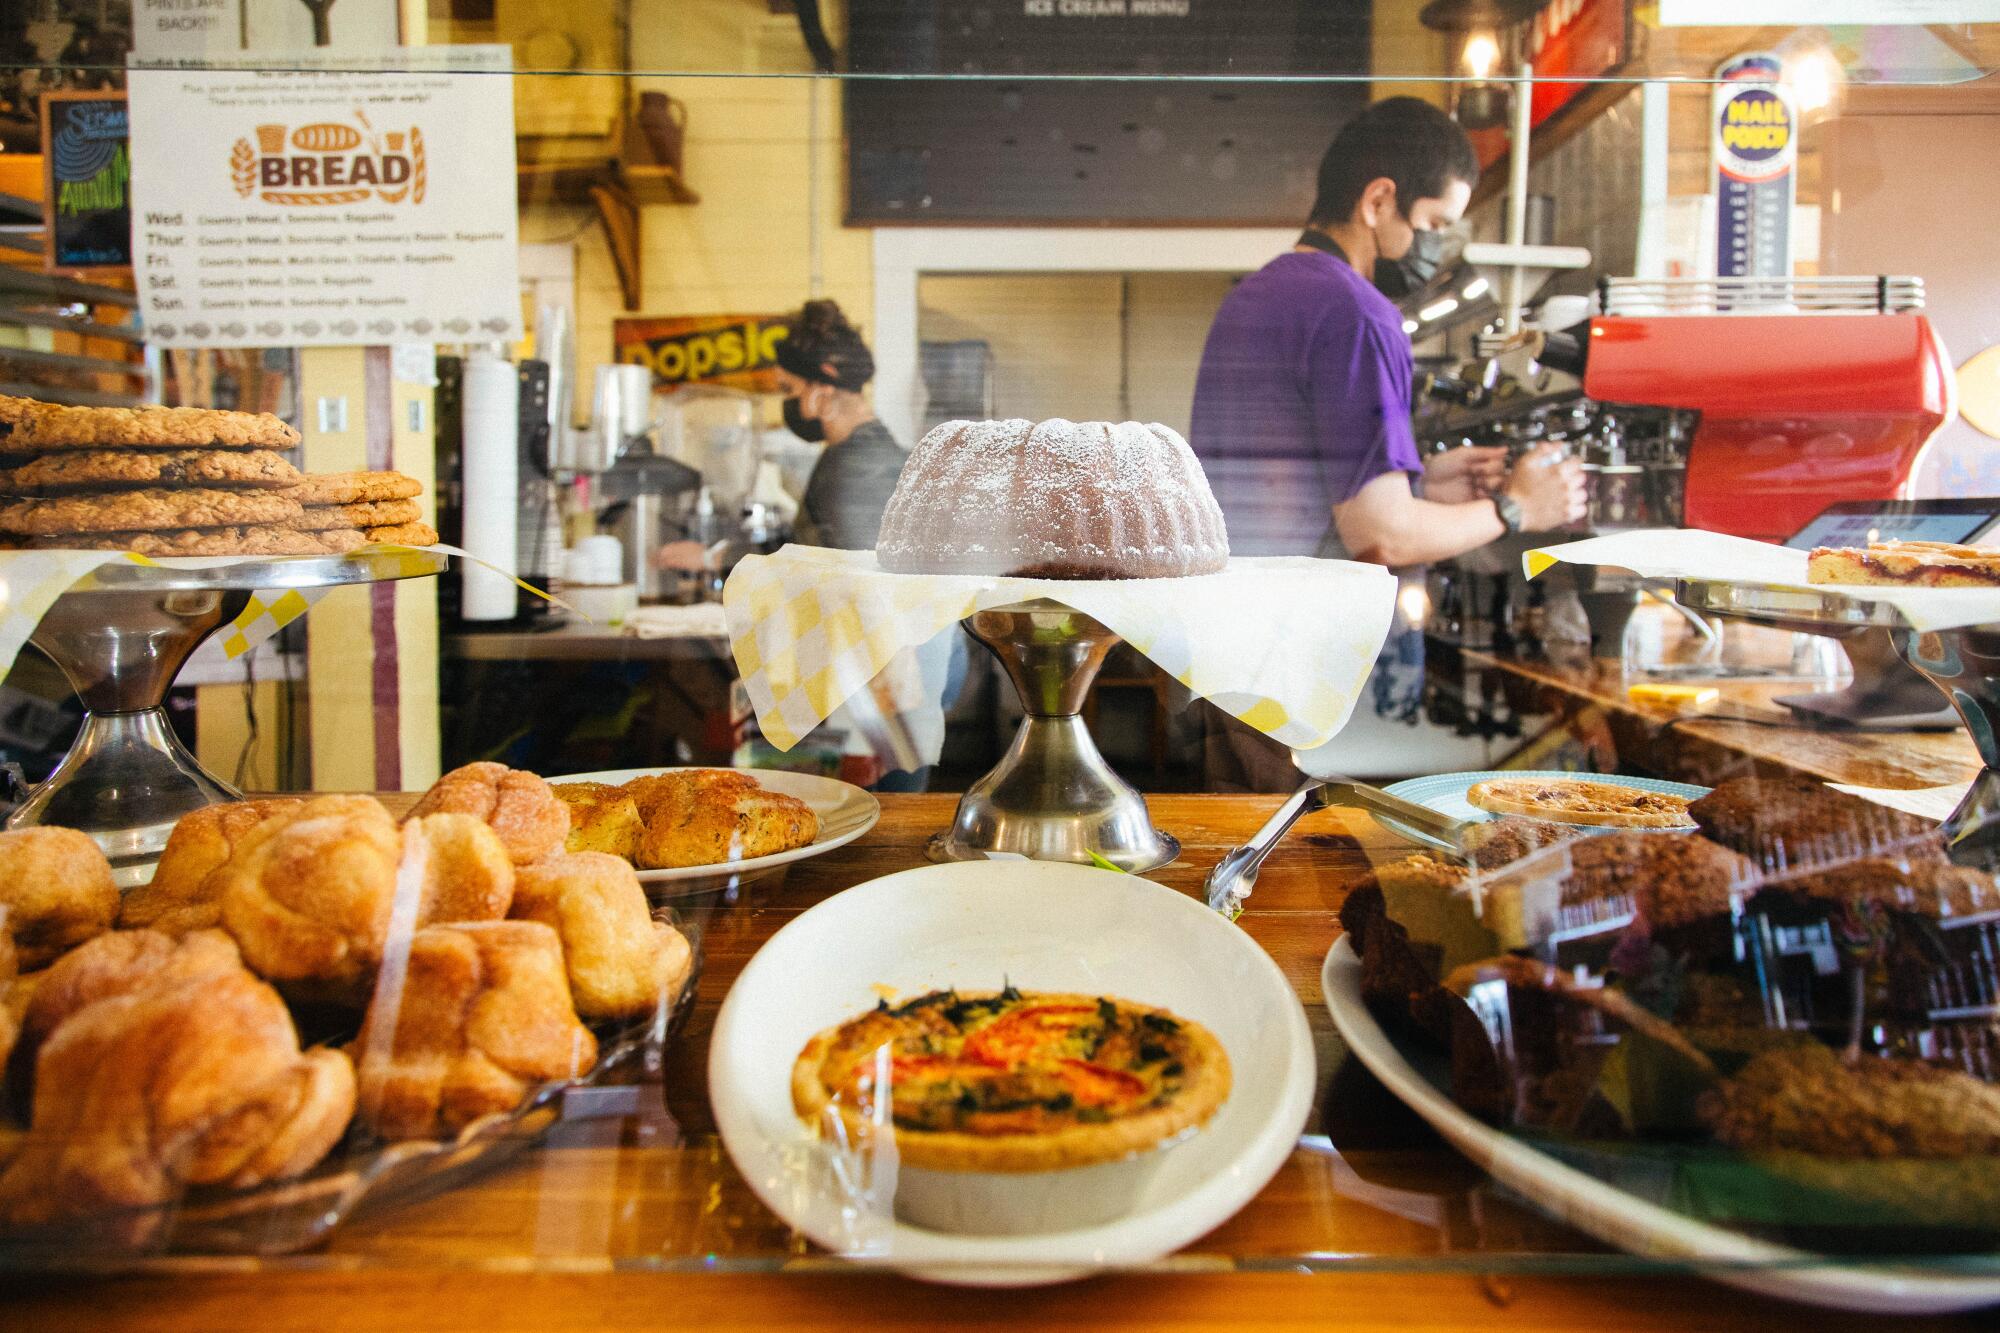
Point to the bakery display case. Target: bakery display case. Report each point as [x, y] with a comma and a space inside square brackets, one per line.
[519, 832]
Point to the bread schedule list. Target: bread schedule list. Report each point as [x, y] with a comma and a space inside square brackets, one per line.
[326, 208]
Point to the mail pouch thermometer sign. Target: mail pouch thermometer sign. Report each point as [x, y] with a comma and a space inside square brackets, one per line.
[1755, 147]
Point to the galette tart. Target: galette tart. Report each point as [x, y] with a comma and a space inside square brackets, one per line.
[1014, 1081]
[1581, 801]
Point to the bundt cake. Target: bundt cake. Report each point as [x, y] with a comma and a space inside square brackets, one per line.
[1053, 499]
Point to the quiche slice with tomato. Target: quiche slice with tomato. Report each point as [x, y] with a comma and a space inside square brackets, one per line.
[1013, 1081]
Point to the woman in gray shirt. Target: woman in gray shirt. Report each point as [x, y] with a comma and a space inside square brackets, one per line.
[823, 366]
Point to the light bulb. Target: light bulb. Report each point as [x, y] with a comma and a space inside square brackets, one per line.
[1481, 53]
[1812, 77]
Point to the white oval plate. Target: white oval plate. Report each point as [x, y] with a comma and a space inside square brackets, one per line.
[1617, 1218]
[845, 813]
[1042, 926]
[1445, 793]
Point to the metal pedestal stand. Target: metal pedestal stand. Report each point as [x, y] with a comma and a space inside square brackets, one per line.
[120, 636]
[1052, 797]
[1963, 663]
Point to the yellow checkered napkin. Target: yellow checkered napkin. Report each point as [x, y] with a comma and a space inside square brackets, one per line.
[1282, 643]
[265, 615]
[29, 582]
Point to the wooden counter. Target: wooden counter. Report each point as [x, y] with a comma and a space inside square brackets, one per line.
[1591, 696]
[630, 1214]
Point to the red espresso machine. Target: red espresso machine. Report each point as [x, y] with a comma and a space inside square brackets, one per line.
[1740, 405]
[1834, 399]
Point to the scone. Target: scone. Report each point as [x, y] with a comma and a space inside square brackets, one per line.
[184, 893]
[519, 806]
[482, 1017]
[709, 816]
[56, 891]
[621, 962]
[602, 818]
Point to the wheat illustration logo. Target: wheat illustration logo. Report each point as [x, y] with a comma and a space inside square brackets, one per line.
[420, 177]
[243, 167]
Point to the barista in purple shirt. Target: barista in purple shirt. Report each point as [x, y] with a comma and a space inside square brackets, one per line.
[1302, 406]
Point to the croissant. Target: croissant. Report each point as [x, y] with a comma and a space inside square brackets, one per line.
[183, 1072]
[531, 821]
[477, 1014]
[621, 962]
[185, 892]
[57, 890]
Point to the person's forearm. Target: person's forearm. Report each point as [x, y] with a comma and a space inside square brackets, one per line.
[1416, 531]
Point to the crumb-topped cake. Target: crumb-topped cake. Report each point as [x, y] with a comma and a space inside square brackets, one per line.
[1053, 499]
[1015, 1081]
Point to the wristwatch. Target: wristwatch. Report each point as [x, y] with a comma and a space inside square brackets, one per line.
[1509, 510]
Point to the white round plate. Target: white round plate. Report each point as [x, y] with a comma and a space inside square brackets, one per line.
[845, 813]
[1624, 1220]
[1445, 793]
[1042, 926]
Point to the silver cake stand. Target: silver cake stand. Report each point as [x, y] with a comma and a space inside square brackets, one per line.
[1963, 663]
[1051, 797]
[121, 635]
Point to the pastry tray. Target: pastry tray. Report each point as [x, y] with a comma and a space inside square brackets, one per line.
[288, 1216]
[1805, 610]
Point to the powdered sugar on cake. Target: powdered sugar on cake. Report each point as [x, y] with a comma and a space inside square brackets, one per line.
[1053, 499]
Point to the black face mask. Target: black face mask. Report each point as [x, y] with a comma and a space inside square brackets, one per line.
[810, 429]
[1397, 278]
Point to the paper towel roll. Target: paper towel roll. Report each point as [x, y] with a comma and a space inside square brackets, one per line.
[492, 417]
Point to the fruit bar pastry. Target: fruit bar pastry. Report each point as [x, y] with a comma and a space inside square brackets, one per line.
[1906, 565]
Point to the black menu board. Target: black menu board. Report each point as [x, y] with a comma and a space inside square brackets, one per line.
[87, 207]
[1077, 115]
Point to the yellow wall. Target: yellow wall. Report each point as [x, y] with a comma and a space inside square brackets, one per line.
[751, 148]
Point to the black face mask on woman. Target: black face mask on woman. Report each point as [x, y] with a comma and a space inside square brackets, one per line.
[810, 429]
[1397, 278]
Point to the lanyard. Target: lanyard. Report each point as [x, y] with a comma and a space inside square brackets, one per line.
[1319, 240]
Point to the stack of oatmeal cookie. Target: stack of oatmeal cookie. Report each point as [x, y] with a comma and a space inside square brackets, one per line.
[185, 481]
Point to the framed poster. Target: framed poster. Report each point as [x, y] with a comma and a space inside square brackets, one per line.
[87, 182]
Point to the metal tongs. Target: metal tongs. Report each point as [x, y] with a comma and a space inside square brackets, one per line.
[1235, 875]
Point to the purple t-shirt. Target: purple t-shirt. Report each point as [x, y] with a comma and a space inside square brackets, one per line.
[1303, 398]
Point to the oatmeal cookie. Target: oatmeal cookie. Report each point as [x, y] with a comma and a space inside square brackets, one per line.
[343, 488]
[404, 534]
[106, 469]
[13, 411]
[209, 541]
[146, 511]
[361, 514]
[147, 427]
